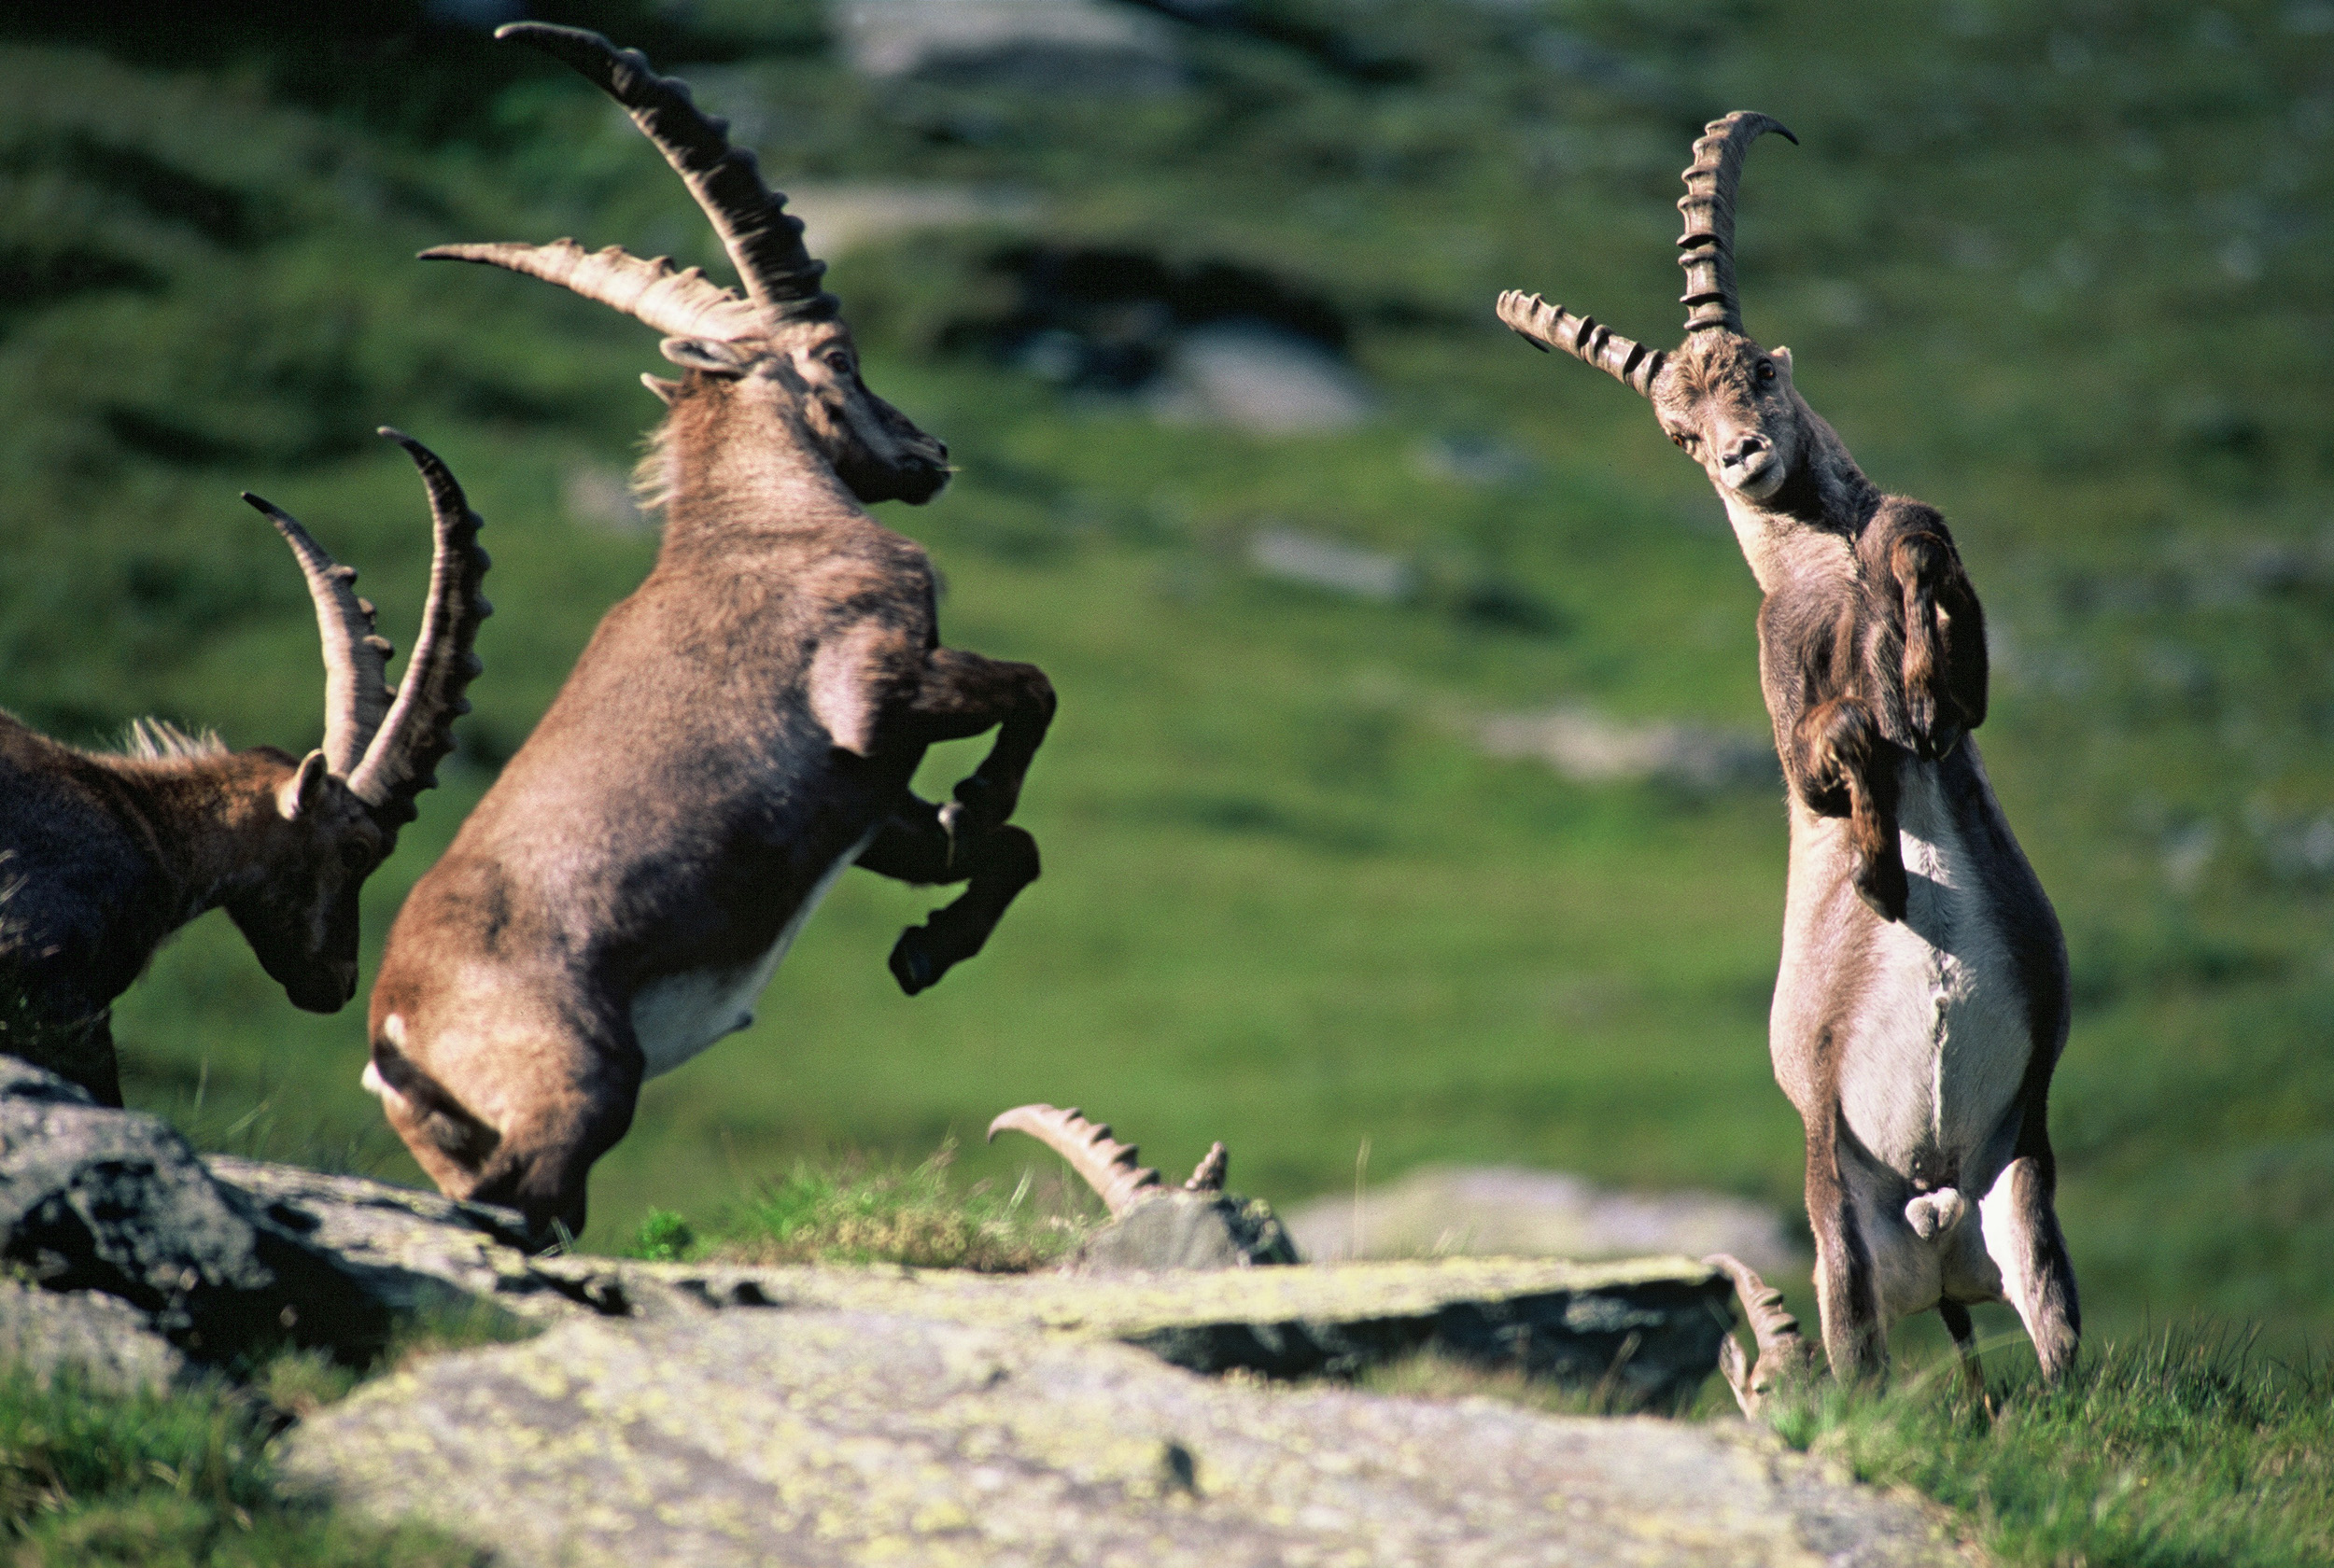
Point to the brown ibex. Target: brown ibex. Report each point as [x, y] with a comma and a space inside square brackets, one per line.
[740, 731]
[1922, 998]
[102, 855]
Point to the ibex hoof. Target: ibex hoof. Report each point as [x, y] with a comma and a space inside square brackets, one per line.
[913, 965]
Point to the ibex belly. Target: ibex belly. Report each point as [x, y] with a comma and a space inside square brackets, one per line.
[1937, 1042]
[680, 1015]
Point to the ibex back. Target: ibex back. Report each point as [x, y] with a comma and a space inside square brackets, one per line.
[740, 731]
[1922, 998]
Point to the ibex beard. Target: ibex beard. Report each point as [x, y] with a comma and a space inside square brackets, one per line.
[1922, 1002]
[740, 731]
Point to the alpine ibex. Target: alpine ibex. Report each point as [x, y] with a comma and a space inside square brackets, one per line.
[739, 732]
[102, 855]
[1922, 998]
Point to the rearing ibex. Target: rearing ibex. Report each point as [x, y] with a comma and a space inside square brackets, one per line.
[1923, 999]
[102, 855]
[740, 731]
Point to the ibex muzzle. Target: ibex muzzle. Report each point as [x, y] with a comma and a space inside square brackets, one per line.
[1923, 999]
[740, 731]
[104, 856]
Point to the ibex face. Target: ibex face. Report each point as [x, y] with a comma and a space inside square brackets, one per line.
[808, 372]
[318, 842]
[1730, 405]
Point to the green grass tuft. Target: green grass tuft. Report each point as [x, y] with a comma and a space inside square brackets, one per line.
[2180, 1450]
[863, 1211]
[162, 1479]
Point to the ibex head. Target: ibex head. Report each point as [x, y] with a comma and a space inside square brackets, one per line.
[782, 350]
[319, 825]
[1726, 401]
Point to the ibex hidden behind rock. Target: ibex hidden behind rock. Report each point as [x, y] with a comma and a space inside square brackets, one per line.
[741, 730]
[102, 855]
[1923, 999]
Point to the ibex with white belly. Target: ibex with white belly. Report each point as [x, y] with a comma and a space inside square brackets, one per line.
[1922, 1000]
[741, 730]
[102, 855]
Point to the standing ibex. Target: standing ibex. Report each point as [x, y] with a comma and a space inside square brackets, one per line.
[102, 855]
[740, 731]
[1922, 998]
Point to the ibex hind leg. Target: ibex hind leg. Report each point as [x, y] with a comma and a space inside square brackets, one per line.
[2023, 1237]
[1855, 1340]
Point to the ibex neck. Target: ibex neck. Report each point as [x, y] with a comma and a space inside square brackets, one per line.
[775, 483]
[1819, 511]
[203, 818]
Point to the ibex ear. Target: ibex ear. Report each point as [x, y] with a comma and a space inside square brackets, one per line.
[709, 354]
[666, 390]
[298, 793]
[1782, 357]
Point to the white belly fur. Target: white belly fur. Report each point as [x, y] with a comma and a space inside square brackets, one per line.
[679, 1016]
[1942, 1037]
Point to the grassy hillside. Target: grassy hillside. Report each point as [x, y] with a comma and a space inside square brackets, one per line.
[2055, 269]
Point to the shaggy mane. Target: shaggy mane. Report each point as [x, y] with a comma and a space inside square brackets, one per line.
[158, 740]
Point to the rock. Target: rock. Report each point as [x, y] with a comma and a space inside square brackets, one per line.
[1512, 1211]
[106, 1200]
[1295, 556]
[1647, 1332]
[108, 1343]
[817, 1436]
[1204, 1230]
[1590, 749]
[1050, 45]
[1263, 378]
[411, 1250]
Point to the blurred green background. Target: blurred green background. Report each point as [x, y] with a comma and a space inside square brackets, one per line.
[2057, 269]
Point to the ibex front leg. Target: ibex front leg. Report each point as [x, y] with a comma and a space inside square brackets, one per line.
[1845, 768]
[969, 838]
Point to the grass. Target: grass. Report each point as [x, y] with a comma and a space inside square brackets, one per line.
[866, 1211]
[161, 1481]
[2189, 1447]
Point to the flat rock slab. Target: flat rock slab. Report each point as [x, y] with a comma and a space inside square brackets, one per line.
[834, 1436]
[1647, 1331]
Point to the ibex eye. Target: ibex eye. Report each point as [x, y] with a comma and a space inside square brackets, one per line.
[355, 857]
[1766, 370]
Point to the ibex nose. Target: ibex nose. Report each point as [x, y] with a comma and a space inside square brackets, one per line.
[1746, 448]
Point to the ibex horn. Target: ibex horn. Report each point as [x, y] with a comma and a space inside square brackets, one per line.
[418, 732]
[1782, 1350]
[1708, 206]
[357, 695]
[678, 304]
[762, 239]
[1106, 1164]
[1545, 327]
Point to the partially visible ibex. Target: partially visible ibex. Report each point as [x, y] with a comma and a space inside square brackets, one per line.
[104, 856]
[1101, 1162]
[1154, 1225]
[740, 731]
[1922, 1000]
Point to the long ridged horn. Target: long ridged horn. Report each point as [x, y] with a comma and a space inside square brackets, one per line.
[683, 303]
[1106, 1164]
[418, 733]
[762, 239]
[1782, 1350]
[1545, 327]
[357, 695]
[1708, 206]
